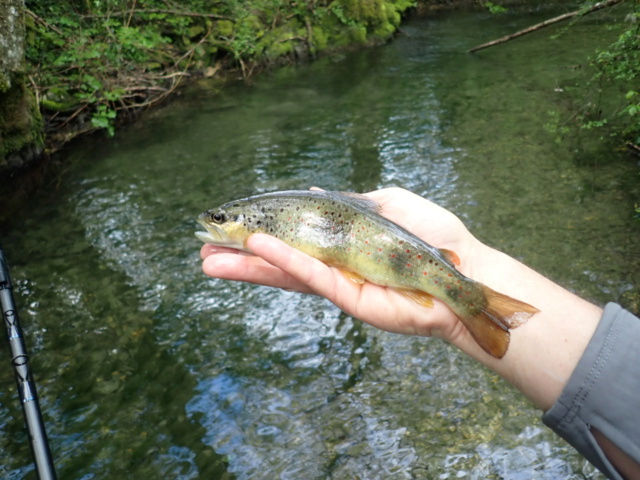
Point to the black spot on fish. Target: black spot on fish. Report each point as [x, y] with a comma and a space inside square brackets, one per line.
[453, 293]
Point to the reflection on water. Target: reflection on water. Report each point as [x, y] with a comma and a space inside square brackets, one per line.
[149, 369]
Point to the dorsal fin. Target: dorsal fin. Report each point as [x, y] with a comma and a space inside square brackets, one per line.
[358, 200]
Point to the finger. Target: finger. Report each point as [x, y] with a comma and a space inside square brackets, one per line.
[251, 269]
[315, 275]
[208, 249]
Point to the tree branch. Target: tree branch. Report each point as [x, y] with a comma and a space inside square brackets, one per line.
[160, 10]
[546, 23]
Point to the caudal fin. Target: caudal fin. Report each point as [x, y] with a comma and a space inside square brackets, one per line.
[491, 327]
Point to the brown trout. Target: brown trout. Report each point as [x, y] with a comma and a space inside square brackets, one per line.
[346, 231]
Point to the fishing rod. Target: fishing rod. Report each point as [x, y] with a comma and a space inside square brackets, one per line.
[26, 385]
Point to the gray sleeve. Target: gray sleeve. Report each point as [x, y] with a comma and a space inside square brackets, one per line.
[603, 392]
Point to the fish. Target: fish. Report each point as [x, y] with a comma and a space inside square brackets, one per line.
[347, 231]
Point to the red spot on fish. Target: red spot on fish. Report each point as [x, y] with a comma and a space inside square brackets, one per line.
[401, 242]
[379, 249]
[418, 257]
[425, 273]
[408, 265]
[393, 255]
[367, 242]
[451, 274]
[408, 251]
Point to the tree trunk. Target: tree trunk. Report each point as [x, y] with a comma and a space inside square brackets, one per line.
[20, 121]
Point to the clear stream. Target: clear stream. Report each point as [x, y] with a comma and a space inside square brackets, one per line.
[149, 369]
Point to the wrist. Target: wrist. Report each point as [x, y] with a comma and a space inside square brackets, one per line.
[545, 350]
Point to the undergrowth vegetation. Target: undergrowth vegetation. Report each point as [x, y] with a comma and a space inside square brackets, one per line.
[619, 64]
[93, 62]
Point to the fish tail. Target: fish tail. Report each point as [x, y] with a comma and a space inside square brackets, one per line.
[490, 328]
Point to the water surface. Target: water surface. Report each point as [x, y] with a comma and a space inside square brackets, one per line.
[149, 369]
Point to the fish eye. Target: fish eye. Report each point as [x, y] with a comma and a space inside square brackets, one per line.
[218, 217]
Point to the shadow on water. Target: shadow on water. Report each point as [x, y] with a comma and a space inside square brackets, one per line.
[149, 369]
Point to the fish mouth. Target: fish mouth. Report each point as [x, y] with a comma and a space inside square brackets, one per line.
[206, 237]
[212, 235]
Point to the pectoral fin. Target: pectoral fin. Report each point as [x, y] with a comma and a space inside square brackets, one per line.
[421, 298]
[353, 276]
[450, 255]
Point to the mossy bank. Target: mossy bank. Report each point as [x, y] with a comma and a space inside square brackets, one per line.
[91, 65]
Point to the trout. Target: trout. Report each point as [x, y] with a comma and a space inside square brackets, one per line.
[347, 231]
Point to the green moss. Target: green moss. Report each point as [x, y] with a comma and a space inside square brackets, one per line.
[224, 28]
[20, 121]
[320, 38]
[277, 43]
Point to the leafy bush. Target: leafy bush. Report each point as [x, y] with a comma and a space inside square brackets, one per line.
[619, 66]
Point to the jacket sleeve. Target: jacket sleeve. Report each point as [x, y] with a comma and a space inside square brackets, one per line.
[603, 392]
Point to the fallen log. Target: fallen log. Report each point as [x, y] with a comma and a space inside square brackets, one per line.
[546, 23]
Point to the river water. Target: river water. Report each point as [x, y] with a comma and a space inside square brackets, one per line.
[148, 369]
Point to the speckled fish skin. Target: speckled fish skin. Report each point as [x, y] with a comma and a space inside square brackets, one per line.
[346, 231]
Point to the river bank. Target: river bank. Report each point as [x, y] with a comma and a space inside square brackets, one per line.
[96, 66]
[93, 67]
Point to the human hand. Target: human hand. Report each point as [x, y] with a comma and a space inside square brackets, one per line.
[278, 265]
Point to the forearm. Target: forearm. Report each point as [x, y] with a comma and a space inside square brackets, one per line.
[545, 350]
